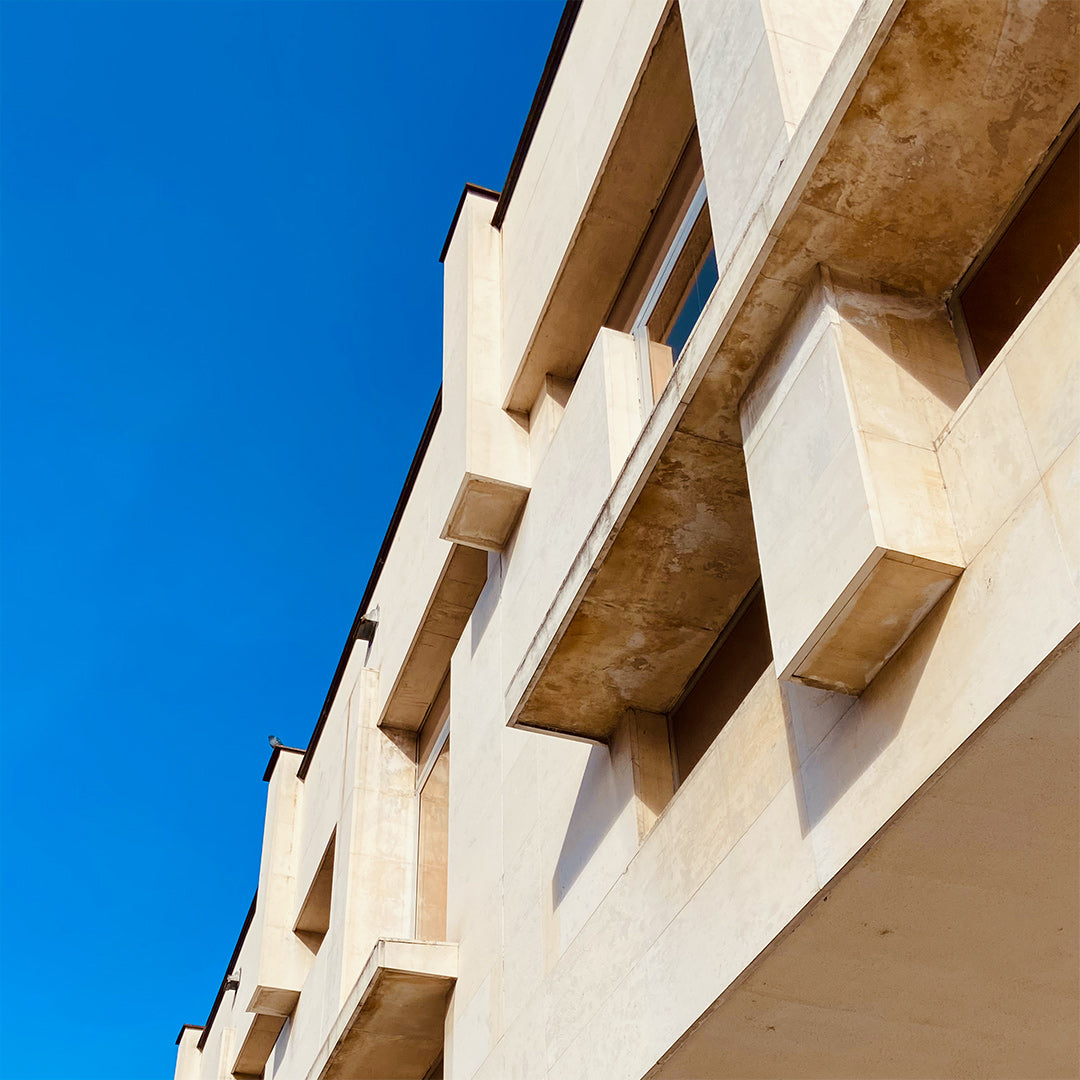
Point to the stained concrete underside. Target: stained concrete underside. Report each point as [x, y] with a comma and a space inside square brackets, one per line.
[391, 1025]
[947, 948]
[440, 629]
[900, 176]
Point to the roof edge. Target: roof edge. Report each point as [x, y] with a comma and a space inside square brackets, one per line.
[228, 971]
[373, 579]
[473, 189]
[275, 754]
[551, 67]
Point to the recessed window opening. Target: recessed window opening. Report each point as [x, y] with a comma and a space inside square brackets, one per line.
[1029, 249]
[433, 732]
[683, 282]
[736, 661]
[672, 274]
[433, 792]
[313, 922]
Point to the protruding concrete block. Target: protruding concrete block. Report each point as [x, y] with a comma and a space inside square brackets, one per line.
[281, 959]
[490, 445]
[437, 634]
[856, 538]
[258, 1044]
[485, 512]
[188, 1053]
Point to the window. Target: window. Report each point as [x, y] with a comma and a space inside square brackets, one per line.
[741, 654]
[1030, 248]
[673, 272]
[433, 789]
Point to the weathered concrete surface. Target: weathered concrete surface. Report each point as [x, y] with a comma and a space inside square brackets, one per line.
[598, 912]
[391, 1024]
[439, 630]
[487, 449]
[876, 123]
[684, 561]
[258, 1044]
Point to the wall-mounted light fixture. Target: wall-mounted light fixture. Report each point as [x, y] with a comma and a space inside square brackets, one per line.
[365, 630]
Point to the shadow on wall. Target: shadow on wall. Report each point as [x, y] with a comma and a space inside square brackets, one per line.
[832, 739]
[597, 807]
[487, 602]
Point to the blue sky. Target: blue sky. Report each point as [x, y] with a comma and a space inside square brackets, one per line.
[220, 337]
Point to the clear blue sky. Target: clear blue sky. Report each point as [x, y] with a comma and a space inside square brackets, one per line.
[221, 315]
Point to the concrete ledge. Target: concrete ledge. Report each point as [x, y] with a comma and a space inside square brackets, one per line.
[440, 628]
[484, 513]
[391, 1025]
[258, 1044]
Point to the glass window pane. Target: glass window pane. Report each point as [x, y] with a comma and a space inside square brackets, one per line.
[700, 290]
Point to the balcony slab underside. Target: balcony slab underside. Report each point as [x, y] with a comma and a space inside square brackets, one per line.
[391, 1025]
[438, 633]
[880, 181]
[948, 946]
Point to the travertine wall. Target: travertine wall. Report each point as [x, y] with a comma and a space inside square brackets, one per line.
[597, 913]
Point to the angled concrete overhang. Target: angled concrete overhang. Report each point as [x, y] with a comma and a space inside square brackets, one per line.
[258, 1043]
[926, 126]
[391, 1025]
[420, 676]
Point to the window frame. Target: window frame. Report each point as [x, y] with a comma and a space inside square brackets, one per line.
[639, 328]
[427, 758]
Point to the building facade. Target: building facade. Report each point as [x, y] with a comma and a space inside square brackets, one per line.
[739, 569]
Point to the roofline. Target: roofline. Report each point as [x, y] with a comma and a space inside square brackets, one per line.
[474, 189]
[228, 971]
[376, 570]
[551, 67]
[275, 754]
[184, 1027]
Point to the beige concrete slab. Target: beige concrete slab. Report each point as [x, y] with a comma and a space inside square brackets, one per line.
[258, 1043]
[425, 665]
[391, 1024]
[987, 462]
[681, 565]
[868, 630]
[1062, 486]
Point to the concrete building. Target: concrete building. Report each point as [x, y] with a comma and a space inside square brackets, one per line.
[739, 566]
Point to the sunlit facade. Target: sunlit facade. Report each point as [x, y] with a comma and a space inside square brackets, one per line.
[739, 568]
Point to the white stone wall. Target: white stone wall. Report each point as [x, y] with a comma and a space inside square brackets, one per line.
[585, 954]
[589, 942]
